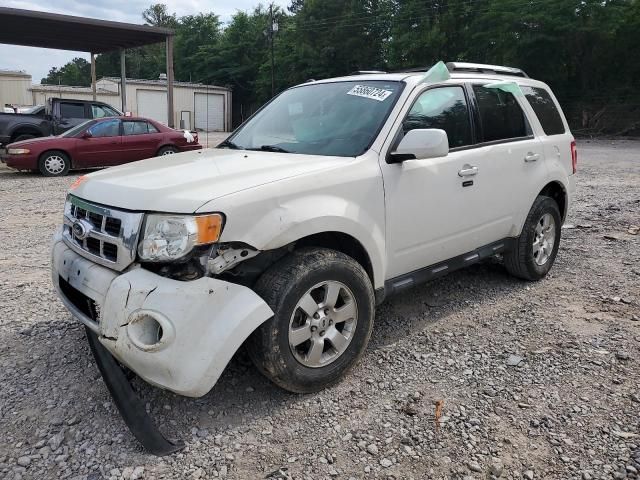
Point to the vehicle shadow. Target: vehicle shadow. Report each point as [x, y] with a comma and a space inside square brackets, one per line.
[243, 396]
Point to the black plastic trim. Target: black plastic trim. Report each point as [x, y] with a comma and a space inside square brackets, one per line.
[408, 280]
[129, 405]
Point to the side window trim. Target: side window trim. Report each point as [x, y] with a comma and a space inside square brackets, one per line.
[478, 122]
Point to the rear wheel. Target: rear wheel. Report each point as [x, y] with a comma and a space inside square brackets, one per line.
[54, 163]
[536, 248]
[323, 308]
[168, 150]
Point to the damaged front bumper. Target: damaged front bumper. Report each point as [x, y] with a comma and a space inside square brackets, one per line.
[177, 335]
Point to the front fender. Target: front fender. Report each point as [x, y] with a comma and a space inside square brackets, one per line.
[286, 222]
[348, 199]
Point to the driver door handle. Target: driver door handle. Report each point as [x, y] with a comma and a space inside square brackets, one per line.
[468, 171]
[532, 157]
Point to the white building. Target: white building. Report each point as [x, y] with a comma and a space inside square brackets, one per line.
[196, 106]
[14, 88]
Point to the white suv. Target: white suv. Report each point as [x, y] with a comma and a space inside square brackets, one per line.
[334, 195]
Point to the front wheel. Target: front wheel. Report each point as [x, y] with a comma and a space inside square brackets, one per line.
[323, 306]
[535, 250]
[54, 164]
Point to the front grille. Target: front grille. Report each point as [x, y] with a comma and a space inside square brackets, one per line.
[105, 235]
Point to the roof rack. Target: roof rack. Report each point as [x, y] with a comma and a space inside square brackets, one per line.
[366, 72]
[482, 68]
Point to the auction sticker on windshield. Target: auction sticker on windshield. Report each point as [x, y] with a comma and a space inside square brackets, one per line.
[373, 93]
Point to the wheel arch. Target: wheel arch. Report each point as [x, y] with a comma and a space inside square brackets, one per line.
[25, 130]
[166, 144]
[558, 192]
[62, 150]
[342, 242]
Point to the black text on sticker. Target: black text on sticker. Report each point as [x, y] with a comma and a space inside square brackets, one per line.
[373, 93]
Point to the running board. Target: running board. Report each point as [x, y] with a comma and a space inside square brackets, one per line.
[129, 405]
[422, 275]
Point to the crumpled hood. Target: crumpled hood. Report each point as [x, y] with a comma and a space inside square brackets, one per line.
[181, 183]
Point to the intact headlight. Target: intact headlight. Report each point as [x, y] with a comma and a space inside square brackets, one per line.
[170, 237]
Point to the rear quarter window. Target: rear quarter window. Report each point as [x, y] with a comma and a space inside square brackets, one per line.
[545, 109]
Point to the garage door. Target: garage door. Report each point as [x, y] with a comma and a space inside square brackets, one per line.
[152, 104]
[209, 113]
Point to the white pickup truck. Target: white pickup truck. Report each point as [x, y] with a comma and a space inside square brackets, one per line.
[334, 195]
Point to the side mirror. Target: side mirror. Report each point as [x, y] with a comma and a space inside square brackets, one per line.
[86, 134]
[420, 144]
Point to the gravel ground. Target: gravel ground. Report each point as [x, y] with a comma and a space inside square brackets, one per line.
[528, 380]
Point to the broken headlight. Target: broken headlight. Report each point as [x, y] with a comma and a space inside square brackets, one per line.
[170, 237]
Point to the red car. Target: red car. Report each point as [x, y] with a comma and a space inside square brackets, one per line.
[99, 143]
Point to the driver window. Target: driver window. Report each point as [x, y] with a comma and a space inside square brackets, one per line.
[444, 108]
[108, 128]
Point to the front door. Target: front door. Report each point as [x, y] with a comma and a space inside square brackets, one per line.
[430, 211]
[102, 148]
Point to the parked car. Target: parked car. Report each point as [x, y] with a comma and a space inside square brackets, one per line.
[58, 116]
[99, 143]
[38, 110]
[333, 196]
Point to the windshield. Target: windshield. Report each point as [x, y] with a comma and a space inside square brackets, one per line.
[77, 129]
[340, 118]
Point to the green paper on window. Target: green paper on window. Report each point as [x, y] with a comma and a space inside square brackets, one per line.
[510, 87]
[438, 73]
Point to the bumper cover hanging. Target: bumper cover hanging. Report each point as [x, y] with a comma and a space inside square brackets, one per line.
[129, 405]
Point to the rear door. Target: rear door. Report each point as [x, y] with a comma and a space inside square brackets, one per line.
[69, 115]
[140, 140]
[104, 146]
[510, 159]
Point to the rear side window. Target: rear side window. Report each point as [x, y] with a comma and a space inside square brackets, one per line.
[501, 117]
[444, 108]
[152, 129]
[72, 110]
[135, 127]
[545, 110]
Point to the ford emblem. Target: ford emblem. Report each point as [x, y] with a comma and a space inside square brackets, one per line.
[81, 229]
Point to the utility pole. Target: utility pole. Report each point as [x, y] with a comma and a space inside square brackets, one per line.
[273, 27]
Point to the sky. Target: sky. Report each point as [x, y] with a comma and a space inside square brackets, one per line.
[38, 61]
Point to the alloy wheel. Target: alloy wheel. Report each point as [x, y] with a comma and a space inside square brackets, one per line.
[323, 324]
[544, 239]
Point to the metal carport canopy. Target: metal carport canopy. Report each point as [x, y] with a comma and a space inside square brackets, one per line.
[65, 32]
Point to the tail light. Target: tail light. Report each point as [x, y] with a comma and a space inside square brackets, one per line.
[574, 156]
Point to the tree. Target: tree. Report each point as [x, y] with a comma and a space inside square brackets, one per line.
[158, 16]
[76, 72]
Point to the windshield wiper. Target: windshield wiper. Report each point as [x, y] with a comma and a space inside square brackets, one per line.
[270, 148]
[229, 144]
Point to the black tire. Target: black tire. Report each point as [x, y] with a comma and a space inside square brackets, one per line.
[282, 286]
[54, 163]
[520, 260]
[23, 136]
[167, 150]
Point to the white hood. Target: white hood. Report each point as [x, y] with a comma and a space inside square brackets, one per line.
[183, 182]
